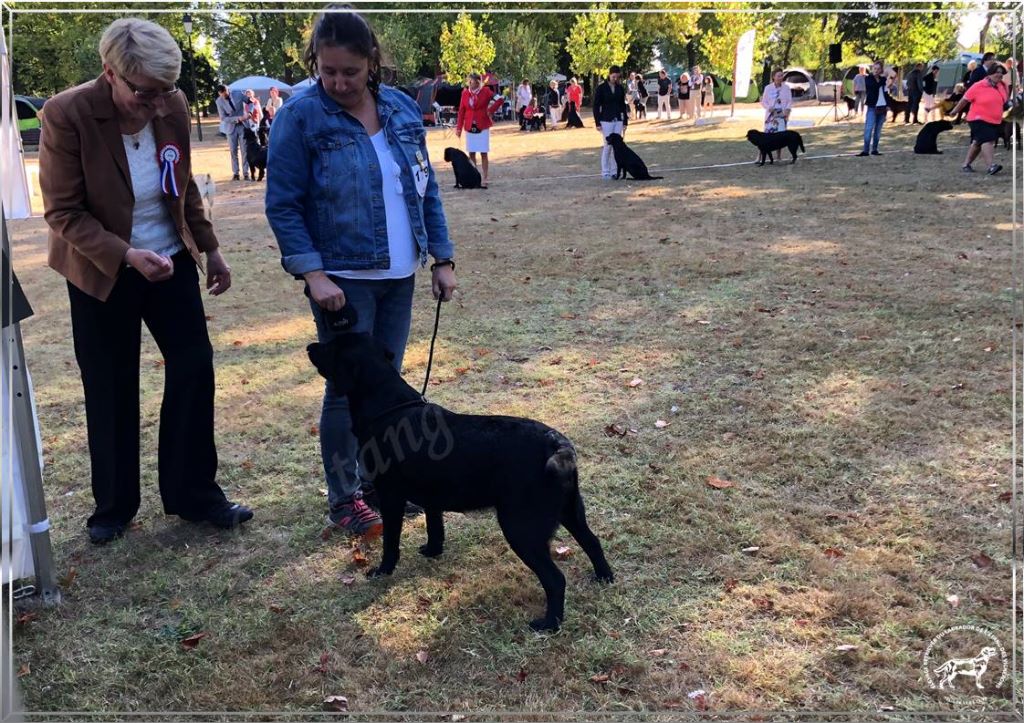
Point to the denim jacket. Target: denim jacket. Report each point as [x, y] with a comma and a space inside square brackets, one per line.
[324, 199]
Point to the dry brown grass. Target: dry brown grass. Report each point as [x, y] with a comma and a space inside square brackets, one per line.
[832, 337]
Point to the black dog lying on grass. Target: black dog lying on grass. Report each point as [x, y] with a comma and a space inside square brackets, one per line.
[255, 154]
[627, 160]
[466, 175]
[415, 451]
[768, 143]
[928, 138]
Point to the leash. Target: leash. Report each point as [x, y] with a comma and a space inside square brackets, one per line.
[437, 323]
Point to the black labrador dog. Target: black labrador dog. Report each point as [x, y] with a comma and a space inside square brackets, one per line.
[466, 174]
[420, 452]
[927, 142]
[627, 161]
[768, 143]
[255, 154]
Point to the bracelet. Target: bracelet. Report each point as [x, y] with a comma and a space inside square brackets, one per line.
[443, 262]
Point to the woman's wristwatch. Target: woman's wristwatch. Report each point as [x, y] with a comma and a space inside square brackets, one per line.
[443, 262]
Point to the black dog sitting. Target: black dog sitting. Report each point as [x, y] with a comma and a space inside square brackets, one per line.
[928, 139]
[415, 451]
[768, 143]
[466, 175]
[255, 154]
[627, 160]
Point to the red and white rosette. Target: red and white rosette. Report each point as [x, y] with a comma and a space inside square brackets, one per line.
[169, 156]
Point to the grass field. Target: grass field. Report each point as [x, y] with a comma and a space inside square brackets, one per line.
[833, 338]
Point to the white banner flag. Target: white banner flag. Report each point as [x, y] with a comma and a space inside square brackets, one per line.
[744, 64]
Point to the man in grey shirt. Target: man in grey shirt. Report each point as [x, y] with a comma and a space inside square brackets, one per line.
[231, 124]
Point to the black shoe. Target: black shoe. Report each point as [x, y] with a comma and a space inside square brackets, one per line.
[102, 534]
[994, 169]
[863, 153]
[225, 517]
[234, 177]
[875, 153]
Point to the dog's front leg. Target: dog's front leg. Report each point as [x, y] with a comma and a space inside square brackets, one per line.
[391, 514]
[435, 534]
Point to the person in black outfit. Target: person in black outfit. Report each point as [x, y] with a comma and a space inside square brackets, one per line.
[915, 89]
[981, 71]
[878, 99]
[611, 115]
[930, 86]
[664, 94]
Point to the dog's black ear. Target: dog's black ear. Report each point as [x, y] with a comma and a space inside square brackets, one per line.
[320, 355]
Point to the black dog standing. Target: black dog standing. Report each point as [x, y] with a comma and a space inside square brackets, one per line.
[415, 451]
[768, 143]
[255, 154]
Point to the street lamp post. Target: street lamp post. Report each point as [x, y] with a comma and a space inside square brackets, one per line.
[187, 20]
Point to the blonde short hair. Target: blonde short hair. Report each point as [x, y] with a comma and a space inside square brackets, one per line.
[133, 46]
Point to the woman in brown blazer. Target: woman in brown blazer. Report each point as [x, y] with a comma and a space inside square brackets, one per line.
[126, 230]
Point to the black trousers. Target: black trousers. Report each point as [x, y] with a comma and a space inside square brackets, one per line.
[107, 336]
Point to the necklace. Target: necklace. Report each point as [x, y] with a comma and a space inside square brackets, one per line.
[135, 140]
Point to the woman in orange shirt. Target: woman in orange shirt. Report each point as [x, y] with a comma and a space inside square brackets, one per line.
[988, 100]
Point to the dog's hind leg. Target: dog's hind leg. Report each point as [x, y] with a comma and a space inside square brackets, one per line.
[529, 537]
[574, 519]
[391, 514]
[435, 534]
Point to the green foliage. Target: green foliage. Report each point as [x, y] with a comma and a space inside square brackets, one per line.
[465, 49]
[252, 43]
[523, 52]
[598, 39]
[904, 38]
[720, 31]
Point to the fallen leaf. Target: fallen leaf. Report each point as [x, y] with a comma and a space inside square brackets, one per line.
[348, 579]
[846, 648]
[982, 560]
[718, 483]
[763, 604]
[953, 600]
[759, 374]
[802, 622]
[68, 580]
[192, 641]
[568, 315]
[615, 430]
[244, 382]
[480, 351]
[247, 464]
[236, 342]
[461, 370]
[1005, 496]
[962, 256]
[24, 670]
[599, 678]
[336, 703]
[730, 584]
[275, 608]
[658, 652]
[834, 552]
[637, 381]
[359, 558]
[27, 617]
[174, 604]
[423, 656]
[614, 634]
[314, 430]
[562, 552]
[750, 550]
[323, 667]
[699, 698]
[661, 423]
[728, 436]
[521, 675]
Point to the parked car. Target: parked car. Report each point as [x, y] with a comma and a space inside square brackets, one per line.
[29, 121]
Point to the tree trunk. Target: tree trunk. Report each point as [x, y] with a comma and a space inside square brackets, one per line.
[983, 35]
[786, 52]
[691, 54]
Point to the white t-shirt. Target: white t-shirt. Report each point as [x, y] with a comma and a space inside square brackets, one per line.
[152, 226]
[401, 243]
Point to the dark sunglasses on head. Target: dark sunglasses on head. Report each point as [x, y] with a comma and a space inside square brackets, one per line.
[148, 93]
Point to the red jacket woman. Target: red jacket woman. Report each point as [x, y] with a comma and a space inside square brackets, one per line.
[474, 107]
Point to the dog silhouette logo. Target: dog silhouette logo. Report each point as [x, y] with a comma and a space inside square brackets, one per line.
[964, 655]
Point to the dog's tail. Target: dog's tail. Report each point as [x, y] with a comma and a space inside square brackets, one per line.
[802, 145]
[560, 467]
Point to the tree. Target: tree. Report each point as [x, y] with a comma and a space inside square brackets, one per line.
[721, 30]
[598, 39]
[465, 48]
[260, 43]
[523, 52]
[900, 38]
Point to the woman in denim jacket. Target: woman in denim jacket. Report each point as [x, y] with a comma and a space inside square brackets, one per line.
[355, 207]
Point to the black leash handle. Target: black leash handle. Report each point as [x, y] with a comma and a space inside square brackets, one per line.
[433, 338]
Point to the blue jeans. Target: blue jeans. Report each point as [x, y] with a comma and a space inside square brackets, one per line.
[384, 310]
[873, 123]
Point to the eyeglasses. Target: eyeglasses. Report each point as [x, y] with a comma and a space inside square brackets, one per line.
[148, 93]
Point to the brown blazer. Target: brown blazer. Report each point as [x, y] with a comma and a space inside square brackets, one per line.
[87, 189]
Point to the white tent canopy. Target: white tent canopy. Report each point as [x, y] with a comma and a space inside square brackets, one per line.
[801, 83]
[303, 84]
[261, 85]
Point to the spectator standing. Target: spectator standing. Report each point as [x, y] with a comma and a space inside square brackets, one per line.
[231, 119]
[859, 90]
[664, 94]
[524, 94]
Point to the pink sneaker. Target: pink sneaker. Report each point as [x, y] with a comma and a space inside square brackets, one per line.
[354, 518]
